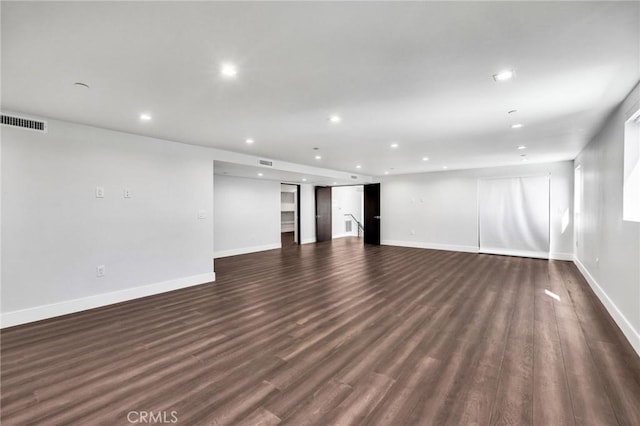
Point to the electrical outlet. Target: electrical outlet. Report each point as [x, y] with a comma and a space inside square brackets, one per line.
[127, 193]
[202, 214]
[100, 271]
[99, 192]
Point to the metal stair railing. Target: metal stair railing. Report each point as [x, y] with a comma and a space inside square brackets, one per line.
[360, 226]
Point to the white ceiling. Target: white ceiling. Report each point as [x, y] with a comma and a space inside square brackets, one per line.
[416, 73]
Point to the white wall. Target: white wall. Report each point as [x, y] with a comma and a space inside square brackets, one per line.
[55, 231]
[307, 214]
[345, 199]
[246, 215]
[608, 248]
[440, 209]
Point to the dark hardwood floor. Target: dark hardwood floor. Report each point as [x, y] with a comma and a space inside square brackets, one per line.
[335, 333]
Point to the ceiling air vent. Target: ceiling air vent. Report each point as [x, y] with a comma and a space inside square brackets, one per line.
[354, 177]
[24, 123]
[266, 163]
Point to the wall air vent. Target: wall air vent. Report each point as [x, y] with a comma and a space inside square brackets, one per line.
[266, 163]
[24, 123]
[354, 177]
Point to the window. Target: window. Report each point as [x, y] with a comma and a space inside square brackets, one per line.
[631, 185]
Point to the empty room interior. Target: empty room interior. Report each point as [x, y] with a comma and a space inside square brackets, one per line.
[331, 213]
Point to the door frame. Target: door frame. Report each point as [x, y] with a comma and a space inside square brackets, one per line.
[297, 216]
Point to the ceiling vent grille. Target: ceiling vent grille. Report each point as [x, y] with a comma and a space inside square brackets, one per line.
[23, 123]
[266, 163]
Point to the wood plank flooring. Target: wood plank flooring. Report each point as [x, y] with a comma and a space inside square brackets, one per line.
[335, 333]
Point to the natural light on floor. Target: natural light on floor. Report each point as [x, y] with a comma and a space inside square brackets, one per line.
[552, 294]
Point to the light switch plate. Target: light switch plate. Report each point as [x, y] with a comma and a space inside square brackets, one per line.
[202, 214]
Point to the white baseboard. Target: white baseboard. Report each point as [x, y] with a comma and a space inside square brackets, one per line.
[627, 328]
[343, 235]
[474, 249]
[308, 241]
[245, 250]
[23, 316]
[516, 253]
[432, 246]
[561, 256]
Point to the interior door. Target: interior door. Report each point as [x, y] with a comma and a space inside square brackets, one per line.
[323, 213]
[372, 214]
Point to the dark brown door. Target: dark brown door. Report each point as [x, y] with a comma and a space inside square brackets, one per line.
[323, 213]
[372, 214]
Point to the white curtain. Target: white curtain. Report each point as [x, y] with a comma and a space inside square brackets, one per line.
[513, 216]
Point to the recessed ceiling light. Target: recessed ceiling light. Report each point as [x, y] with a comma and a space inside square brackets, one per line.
[524, 159]
[522, 147]
[386, 173]
[81, 85]
[335, 183]
[394, 145]
[358, 166]
[335, 119]
[503, 75]
[228, 70]
[304, 179]
[513, 111]
[260, 174]
[145, 117]
[516, 126]
[249, 141]
[445, 167]
[318, 157]
[425, 158]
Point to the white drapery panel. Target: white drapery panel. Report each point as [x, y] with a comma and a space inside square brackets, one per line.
[513, 216]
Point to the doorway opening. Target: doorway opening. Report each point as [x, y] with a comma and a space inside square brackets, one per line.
[348, 211]
[289, 214]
